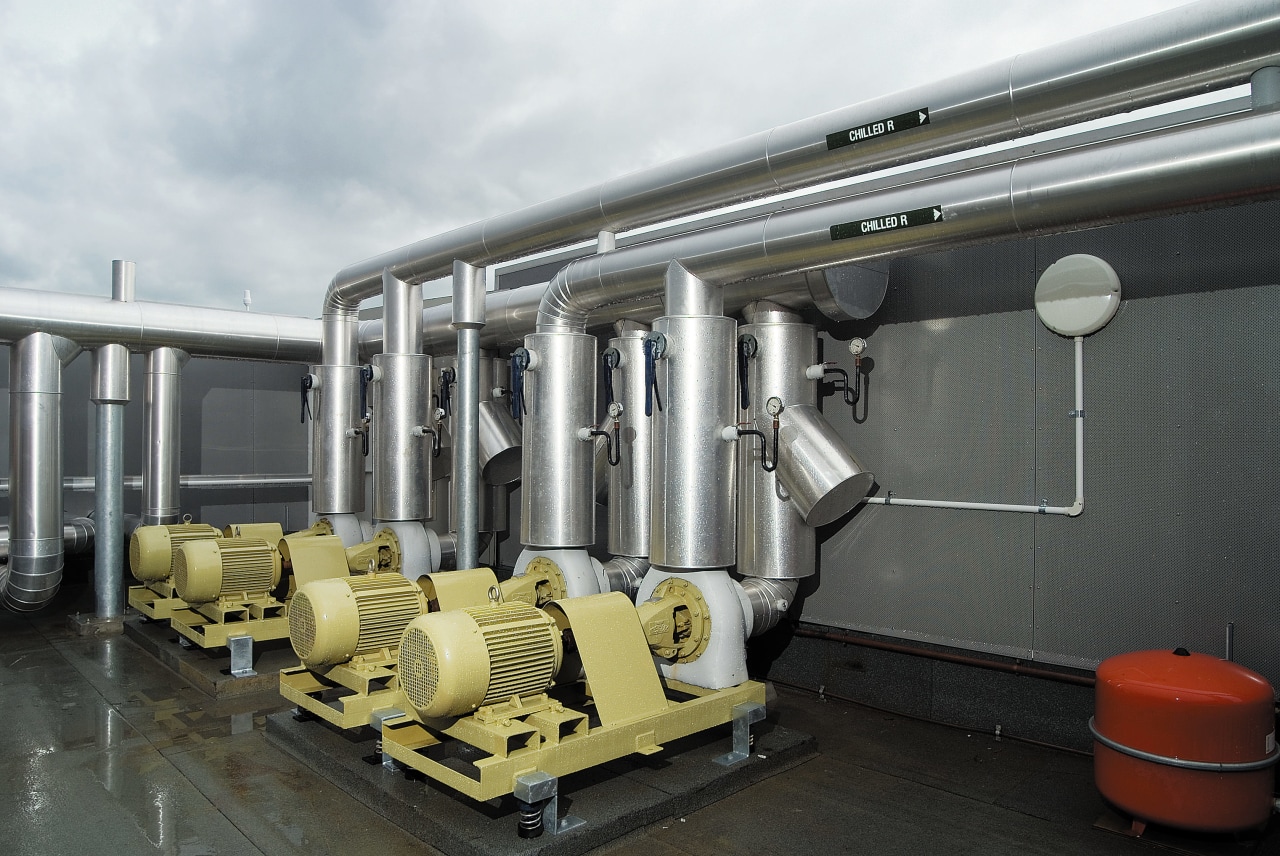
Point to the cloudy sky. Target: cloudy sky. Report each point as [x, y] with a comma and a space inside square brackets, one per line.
[265, 145]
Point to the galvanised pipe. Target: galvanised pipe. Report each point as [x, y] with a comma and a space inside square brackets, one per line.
[141, 326]
[35, 467]
[468, 319]
[110, 393]
[162, 463]
[692, 488]
[401, 421]
[629, 481]
[773, 540]
[1228, 162]
[1188, 51]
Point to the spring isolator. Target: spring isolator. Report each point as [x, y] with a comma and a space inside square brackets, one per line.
[530, 821]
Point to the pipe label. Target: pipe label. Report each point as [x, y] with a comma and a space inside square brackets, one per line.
[871, 130]
[887, 223]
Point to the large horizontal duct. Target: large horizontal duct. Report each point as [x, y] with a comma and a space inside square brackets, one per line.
[1223, 163]
[1188, 51]
[141, 326]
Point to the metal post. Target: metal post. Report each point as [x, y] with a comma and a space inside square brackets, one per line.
[468, 320]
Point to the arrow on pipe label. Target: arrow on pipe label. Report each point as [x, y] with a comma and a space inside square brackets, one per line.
[887, 223]
[883, 127]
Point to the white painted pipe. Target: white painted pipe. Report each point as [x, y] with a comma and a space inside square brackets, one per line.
[1073, 510]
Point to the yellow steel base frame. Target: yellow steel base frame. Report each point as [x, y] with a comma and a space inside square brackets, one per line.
[156, 603]
[344, 696]
[540, 734]
[210, 625]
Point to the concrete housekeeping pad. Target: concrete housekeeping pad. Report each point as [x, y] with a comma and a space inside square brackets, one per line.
[613, 799]
[209, 669]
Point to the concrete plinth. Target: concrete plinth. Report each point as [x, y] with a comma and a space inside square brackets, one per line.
[209, 669]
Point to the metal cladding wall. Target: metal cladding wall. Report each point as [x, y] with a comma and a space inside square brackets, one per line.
[968, 400]
[237, 417]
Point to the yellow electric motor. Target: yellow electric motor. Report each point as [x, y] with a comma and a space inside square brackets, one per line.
[453, 662]
[269, 532]
[205, 571]
[152, 548]
[333, 620]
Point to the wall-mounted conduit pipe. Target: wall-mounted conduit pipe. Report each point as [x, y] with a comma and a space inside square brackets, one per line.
[1075, 509]
[162, 462]
[35, 467]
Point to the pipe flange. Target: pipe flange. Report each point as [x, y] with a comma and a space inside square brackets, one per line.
[692, 631]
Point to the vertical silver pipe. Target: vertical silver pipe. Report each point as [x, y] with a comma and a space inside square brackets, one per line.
[110, 393]
[556, 484]
[773, 540]
[35, 469]
[337, 462]
[629, 480]
[468, 320]
[401, 418]
[693, 489]
[163, 463]
[686, 294]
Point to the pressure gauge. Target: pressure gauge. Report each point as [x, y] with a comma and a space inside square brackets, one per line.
[857, 346]
[773, 406]
[615, 409]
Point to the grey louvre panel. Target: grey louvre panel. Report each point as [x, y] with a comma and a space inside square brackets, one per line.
[969, 398]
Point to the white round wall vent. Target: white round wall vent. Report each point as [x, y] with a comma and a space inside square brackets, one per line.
[1077, 295]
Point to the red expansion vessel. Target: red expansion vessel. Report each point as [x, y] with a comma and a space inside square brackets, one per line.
[1186, 740]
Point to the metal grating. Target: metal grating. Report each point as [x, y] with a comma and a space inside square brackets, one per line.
[302, 625]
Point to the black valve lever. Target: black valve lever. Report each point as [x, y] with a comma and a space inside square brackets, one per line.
[308, 381]
[610, 358]
[653, 348]
[519, 363]
[447, 378]
[366, 377]
[747, 347]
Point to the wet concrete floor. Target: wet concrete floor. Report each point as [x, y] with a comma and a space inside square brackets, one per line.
[104, 750]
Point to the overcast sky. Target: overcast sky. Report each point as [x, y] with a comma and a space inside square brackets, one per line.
[265, 145]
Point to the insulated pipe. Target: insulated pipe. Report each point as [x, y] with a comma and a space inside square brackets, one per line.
[88, 484]
[773, 540]
[769, 601]
[77, 537]
[1182, 169]
[1187, 51]
[35, 466]
[1265, 85]
[401, 424]
[141, 326]
[163, 461]
[110, 393]
[556, 508]
[468, 319]
[629, 481]
[692, 487]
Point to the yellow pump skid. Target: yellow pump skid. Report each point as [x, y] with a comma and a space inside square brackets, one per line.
[635, 711]
[210, 625]
[156, 601]
[347, 694]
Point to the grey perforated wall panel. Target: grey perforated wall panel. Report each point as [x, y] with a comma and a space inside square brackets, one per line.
[237, 417]
[968, 400]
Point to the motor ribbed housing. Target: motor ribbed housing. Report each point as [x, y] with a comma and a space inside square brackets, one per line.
[204, 571]
[453, 662]
[152, 548]
[333, 620]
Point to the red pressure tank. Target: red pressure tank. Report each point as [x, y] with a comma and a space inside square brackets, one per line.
[1185, 740]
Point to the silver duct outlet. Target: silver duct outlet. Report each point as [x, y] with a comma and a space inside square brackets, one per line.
[816, 468]
[629, 481]
[773, 540]
[625, 574]
[769, 601]
[401, 424]
[692, 492]
[35, 469]
[556, 508]
[162, 465]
